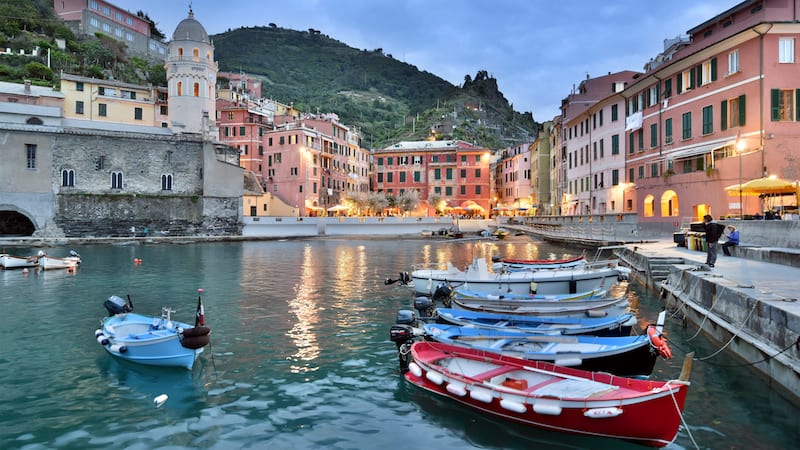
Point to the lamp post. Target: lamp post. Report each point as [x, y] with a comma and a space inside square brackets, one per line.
[740, 146]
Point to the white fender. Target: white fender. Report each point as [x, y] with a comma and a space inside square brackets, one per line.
[117, 348]
[569, 362]
[456, 389]
[158, 401]
[415, 369]
[602, 413]
[547, 407]
[102, 339]
[481, 395]
[511, 405]
[434, 377]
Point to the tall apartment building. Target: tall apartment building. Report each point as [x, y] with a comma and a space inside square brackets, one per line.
[721, 107]
[87, 17]
[451, 171]
[513, 179]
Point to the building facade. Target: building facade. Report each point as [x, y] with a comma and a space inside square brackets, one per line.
[513, 171]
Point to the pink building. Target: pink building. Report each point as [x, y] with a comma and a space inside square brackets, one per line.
[715, 109]
[513, 180]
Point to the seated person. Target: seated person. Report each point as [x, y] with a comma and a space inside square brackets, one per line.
[733, 240]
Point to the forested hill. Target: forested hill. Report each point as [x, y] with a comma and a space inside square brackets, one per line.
[387, 99]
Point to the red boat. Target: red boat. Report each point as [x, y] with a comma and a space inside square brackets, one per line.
[551, 397]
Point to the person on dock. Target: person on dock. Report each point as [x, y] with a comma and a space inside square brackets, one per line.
[733, 240]
[713, 232]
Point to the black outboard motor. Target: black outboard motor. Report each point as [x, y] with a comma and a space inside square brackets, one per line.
[404, 279]
[424, 307]
[442, 293]
[116, 305]
[402, 334]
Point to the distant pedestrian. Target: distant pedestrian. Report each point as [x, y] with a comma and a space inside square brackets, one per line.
[733, 240]
[713, 232]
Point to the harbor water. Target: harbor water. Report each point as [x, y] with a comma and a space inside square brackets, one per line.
[300, 355]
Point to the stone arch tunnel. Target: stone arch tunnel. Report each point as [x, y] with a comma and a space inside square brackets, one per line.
[13, 223]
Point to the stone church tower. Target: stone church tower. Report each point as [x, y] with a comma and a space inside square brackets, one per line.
[191, 76]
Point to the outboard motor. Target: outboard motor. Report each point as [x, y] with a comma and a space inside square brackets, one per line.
[442, 293]
[404, 279]
[117, 305]
[424, 307]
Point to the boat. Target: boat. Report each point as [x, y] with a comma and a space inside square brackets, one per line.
[598, 326]
[511, 264]
[152, 341]
[18, 262]
[611, 306]
[478, 277]
[463, 292]
[500, 233]
[620, 355]
[551, 397]
[68, 262]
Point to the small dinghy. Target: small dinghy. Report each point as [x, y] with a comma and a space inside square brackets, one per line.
[152, 341]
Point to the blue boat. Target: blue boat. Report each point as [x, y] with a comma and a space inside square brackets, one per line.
[153, 341]
[623, 356]
[599, 326]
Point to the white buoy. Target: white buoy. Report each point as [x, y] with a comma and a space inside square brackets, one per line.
[160, 400]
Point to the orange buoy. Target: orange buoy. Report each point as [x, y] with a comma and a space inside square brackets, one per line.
[659, 343]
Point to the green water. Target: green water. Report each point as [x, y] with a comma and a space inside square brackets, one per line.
[300, 356]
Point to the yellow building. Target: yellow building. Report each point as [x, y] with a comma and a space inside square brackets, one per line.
[113, 101]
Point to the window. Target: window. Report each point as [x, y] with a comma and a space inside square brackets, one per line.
[708, 120]
[782, 105]
[463, 173]
[380, 177]
[180, 88]
[641, 172]
[242, 131]
[477, 190]
[686, 121]
[652, 95]
[733, 62]
[166, 182]
[163, 110]
[416, 176]
[68, 178]
[614, 113]
[653, 135]
[477, 173]
[448, 191]
[685, 81]
[463, 189]
[615, 144]
[708, 71]
[631, 137]
[137, 113]
[630, 175]
[641, 140]
[786, 50]
[79, 86]
[390, 177]
[653, 170]
[615, 177]
[437, 174]
[78, 107]
[402, 177]
[668, 88]
[197, 89]
[30, 152]
[732, 113]
[116, 180]
[668, 131]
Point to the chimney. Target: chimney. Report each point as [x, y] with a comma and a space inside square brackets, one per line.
[27, 86]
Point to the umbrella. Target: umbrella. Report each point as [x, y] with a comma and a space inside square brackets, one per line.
[336, 208]
[734, 190]
[769, 185]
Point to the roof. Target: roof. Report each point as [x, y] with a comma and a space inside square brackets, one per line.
[190, 29]
[35, 91]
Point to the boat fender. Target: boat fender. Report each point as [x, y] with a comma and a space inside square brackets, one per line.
[456, 389]
[117, 348]
[196, 331]
[481, 395]
[659, 343]
[98, 332]
[602, 413]
[511, 405]
[195, 342]
[596, 313]
[415, 369]
[547, 408]
[102, 340]
[568, 362]
[160, 400]
[435, 378]
[493, 297]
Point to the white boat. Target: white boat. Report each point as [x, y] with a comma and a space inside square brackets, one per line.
[478, 277]
[17, 262]
[68, 262]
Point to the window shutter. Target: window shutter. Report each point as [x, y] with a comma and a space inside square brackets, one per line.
[774, 106]
[713, 69]
[742, 110]
[678, 84]
[797, 105]
[723, 115]
[667, 87]
[692, 78]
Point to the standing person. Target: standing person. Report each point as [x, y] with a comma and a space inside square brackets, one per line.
[733, 240]
[713, 233]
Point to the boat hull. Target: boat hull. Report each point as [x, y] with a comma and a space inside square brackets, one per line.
[50, 263]
[17, 262]
[550, 397]
[146, 340]
[607, 326]
[605, 307]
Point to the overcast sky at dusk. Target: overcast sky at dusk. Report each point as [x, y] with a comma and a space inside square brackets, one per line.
[537, 50]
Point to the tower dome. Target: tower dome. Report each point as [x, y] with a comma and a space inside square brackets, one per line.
[190, 29]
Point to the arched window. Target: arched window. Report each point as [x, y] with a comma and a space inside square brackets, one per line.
[195, 54]
[116, 180]
[669, 204]
[34, 121]
[166, 182]
[180, 52]
[68, 178]
[180, 88]
[197, 89]
[649, 205]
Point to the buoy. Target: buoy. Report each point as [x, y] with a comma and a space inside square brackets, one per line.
[160, 400]
[25, 270]
[137, 260]
[658, 343]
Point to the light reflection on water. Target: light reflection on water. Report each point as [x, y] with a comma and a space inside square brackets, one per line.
[300, 356]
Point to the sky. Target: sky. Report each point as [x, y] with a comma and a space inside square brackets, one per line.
[537, 50]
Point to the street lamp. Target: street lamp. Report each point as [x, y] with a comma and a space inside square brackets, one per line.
[740, 147]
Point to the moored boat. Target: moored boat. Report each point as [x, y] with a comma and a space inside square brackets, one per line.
[612, 305]
[536, 264]
[18, 262]
[598, 326]
[620, 355]
[463, 292]
[68, 262]
[153, 341]
[552, 397]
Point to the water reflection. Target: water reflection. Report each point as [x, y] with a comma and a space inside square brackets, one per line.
[304, 307]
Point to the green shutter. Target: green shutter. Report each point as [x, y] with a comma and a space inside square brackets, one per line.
[797, 105]
[723, 115]
[742, 110]
[775, 104]
[678, 85]
[713, 69]
[667, 87]
[693, 78]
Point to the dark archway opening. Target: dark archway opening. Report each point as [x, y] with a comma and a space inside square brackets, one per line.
[13, 223]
